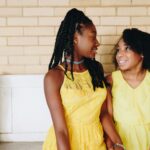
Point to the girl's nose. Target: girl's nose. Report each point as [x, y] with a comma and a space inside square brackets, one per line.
[97, 43]
[120, 53]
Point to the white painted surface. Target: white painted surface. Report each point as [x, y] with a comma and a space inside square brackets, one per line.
[24, 115]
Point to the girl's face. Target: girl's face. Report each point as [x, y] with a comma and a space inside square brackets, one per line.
[126, 58]
[86, 44]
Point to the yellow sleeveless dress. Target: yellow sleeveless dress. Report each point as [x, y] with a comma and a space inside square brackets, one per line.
[82, 108]
[131, 110]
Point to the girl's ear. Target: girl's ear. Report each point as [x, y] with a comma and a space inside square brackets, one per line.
[75, 41]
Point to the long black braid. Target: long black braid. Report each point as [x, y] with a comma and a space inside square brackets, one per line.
[64, 46]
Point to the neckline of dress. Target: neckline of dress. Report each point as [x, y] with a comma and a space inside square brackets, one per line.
[139, 85]
[75, 72]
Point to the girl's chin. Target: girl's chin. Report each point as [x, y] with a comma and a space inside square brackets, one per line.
[123, 68]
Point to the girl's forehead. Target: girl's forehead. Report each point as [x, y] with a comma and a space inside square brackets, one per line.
[91, 29]
[121, 42]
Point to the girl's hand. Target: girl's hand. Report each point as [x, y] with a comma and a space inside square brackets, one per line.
[109, 143]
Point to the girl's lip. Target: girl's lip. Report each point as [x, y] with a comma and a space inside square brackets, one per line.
[121, 62]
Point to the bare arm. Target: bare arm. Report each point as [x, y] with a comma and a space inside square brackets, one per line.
[109, 96]
[108, 125]
[52, 84]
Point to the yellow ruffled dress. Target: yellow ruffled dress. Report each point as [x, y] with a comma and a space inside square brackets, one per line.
[131, 110]
[82, 108]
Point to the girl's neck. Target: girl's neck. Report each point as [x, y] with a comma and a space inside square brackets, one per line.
[76, 62]
[134, 74]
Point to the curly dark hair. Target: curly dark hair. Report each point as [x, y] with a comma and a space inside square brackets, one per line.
[139, 42]
[74, 21]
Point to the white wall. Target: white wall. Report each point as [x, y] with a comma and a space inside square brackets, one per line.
[24, 115]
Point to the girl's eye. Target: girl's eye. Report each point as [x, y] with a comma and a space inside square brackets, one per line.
[127, 48]
[117, 50]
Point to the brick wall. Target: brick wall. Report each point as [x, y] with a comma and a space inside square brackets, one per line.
[28, 29]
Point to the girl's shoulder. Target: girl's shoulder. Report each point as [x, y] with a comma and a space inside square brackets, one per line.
[109, 79]
[54, 77]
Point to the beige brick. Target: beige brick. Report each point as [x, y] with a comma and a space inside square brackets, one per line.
[2, 3]
[56, 29]
[148, 29]
[120, 29]
[53, 2]
[115, 2]
[39, 31]
[52, 21]
[109, 39]
[96, 20]
[106, 59]
[104, 30]
[108, 68]
[3, 60]
[140, 20]
[45, 60]
[2, 21]
[24, 21]
[97, 57]
[36, 69]
[84, 2]
[105, 49]
[61, 11]
[149, 11]
[23, 60]
[22, 2]
[11, 69]
[38, 50]
[11, 31]
[131, 11]
[3, 41]
[12, 50]
[143, 28]
[22, 40]
[47, 40]
[141, 2]
[10, 12]
[97, 11]
[115, 20]
[43, 11]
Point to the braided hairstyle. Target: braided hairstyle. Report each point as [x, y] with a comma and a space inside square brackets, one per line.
[73, 22]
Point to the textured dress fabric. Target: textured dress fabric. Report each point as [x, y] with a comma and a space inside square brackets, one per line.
[82, 106]
[131, 110]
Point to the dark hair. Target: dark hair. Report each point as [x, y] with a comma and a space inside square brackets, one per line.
[139, 42]
[74, 21]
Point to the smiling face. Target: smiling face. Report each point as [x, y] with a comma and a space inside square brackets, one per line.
[85, 43]
[126, 58]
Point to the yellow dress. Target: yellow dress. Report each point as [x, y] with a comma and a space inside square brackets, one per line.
[82, 110]
[131, 109]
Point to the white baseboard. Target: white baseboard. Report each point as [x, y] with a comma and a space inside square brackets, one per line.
[23, 137]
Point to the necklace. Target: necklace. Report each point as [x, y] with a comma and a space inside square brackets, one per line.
[75, 62]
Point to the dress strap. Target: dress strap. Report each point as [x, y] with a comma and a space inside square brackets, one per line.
[61, 66]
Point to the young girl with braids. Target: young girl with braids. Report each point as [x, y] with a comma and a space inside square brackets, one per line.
[75, 89]
[130, 86]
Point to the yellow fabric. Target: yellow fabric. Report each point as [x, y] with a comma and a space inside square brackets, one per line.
[131, 109]
[82, 109]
